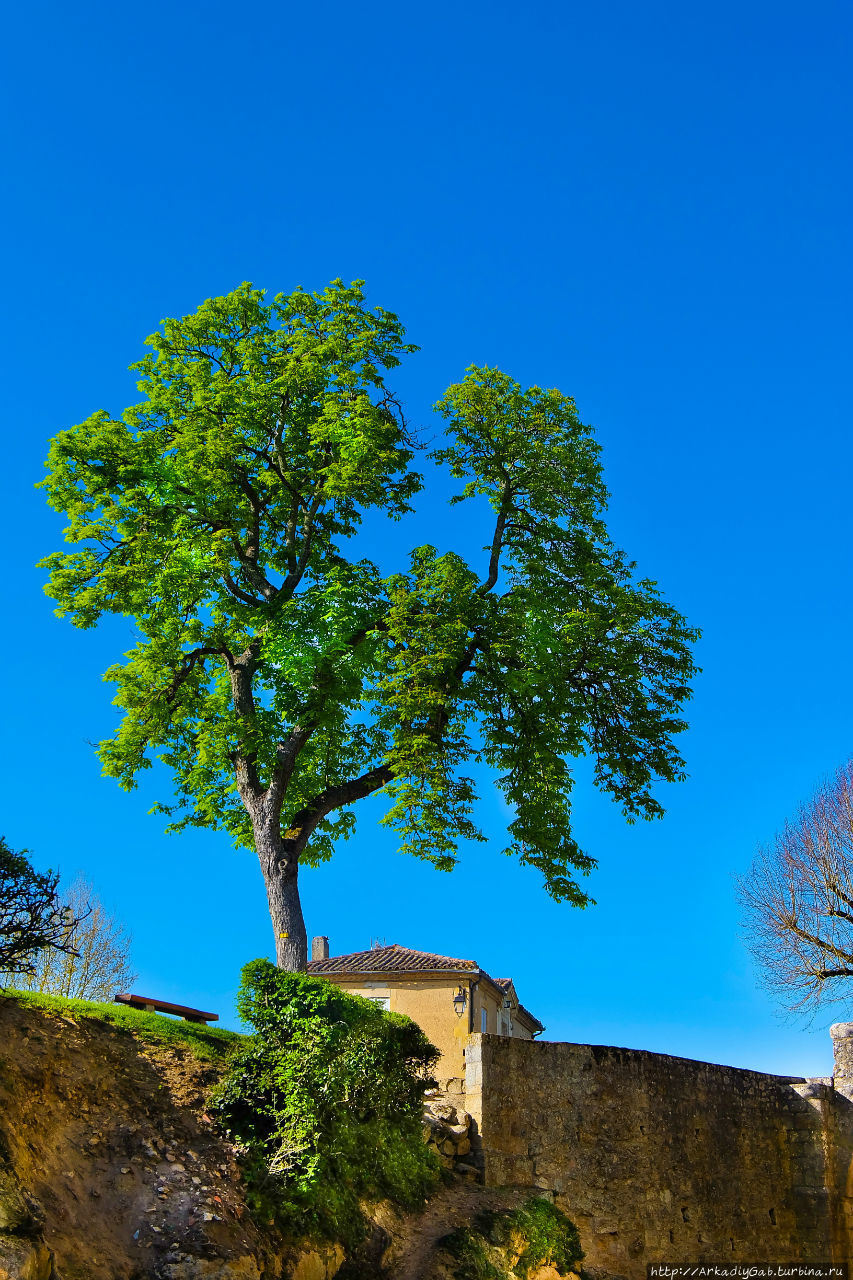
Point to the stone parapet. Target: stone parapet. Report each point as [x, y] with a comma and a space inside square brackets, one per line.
[659, 1158]
[842, 1048]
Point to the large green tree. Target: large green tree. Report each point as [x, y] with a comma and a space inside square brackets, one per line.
[281, 675]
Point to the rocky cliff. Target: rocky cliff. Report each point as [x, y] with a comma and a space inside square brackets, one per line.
[112, 1169]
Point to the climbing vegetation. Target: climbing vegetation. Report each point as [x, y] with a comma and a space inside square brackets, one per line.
[511, 1245]
[326, 1100]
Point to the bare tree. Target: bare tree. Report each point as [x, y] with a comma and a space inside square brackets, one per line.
[797, 900]
[96, 963]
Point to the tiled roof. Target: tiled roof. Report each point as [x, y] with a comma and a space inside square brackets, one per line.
[505, 984]
[393, 959]
[397, 959]
[531, 1016]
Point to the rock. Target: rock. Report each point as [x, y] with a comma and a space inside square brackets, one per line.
[16, 1213]
[25, 1260]
[458, 1130]
[463, 1147]
[443, 1111]
[316, 1264]
[435, 1130]
[448, 1148]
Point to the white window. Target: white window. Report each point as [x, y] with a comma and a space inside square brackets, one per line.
[384, 1002]
[484, 1020]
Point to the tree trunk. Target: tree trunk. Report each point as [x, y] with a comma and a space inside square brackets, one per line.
[280, 868]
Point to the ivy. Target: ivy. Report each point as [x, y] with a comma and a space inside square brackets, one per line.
[326, 1100]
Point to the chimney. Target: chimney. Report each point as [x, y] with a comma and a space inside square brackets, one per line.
[319, 948]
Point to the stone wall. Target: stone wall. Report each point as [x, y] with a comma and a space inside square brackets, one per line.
[662, 1159]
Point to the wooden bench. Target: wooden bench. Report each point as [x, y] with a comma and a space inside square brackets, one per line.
[163, 1006]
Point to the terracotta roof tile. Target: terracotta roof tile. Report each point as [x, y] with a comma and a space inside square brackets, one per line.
[393, 959]
[397, 959]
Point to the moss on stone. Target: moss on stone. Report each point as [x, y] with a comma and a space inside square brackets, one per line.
[512, 1244]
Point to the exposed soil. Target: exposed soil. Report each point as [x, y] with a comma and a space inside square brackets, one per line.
[414, 1254]
[111, 1169]
[121, 1170]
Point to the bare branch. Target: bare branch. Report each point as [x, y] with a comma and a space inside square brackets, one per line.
[797, 900]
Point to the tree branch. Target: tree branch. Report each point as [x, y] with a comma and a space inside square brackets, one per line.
[308, 819]
[294, 577]
[241, 671]
[239, 593]
[821, 943]
[190, 661]
[497, 541]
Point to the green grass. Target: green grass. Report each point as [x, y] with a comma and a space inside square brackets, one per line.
[538, 1231]
[212, 1043]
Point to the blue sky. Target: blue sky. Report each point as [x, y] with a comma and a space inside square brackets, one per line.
[647, 206]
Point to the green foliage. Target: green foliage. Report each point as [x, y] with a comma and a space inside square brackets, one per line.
[326, 1098]
[472, 1256]
[575, 656]
[282, 677]
[514, 1243]
[208, 1043]
[256, 450]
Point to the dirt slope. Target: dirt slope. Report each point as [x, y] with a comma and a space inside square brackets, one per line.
[111, 1169]
[107, 1156]
[414, 1251]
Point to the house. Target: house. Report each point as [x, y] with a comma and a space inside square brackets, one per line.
[448, 998]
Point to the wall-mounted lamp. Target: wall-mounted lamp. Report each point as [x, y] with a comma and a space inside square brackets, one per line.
[459, 1001]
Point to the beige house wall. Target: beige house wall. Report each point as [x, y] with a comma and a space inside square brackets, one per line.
[428, 1001]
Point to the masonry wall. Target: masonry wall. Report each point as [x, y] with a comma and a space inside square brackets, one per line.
[662, 1159]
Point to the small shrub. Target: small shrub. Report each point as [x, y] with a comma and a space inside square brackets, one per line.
[470, 1253]
[533, 1235]
[326, 1098]
[551, 1237]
